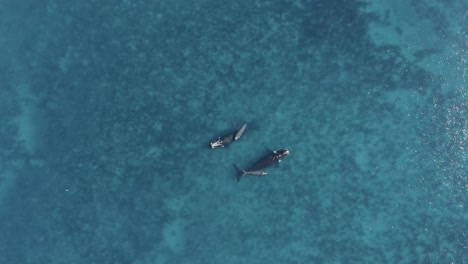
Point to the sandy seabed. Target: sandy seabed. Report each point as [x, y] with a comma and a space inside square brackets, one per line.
[106, 156]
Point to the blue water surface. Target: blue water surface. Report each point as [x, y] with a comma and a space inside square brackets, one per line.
[107, 109]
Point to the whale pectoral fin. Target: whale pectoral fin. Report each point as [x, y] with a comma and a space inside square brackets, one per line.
[277, 165]
[268, 151]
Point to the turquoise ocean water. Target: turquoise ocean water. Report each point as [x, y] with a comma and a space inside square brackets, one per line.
[107, 109]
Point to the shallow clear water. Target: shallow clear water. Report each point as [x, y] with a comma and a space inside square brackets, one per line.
[108, 110]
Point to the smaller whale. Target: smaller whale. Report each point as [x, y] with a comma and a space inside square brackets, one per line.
[242, 172]
[240, 132]
[229, 138]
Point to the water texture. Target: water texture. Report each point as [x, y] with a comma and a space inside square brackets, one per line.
[107, 109]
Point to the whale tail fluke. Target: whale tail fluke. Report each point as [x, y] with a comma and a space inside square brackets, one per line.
[240, 172]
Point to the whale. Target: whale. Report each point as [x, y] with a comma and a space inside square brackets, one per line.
[266, 161]
[229, 138]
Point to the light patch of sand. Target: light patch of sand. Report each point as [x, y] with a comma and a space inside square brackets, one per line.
[7, 181]
[362, 159]
[154, 152]
[173, 231]
[27, 119]
[399, 25]
[174, 238]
